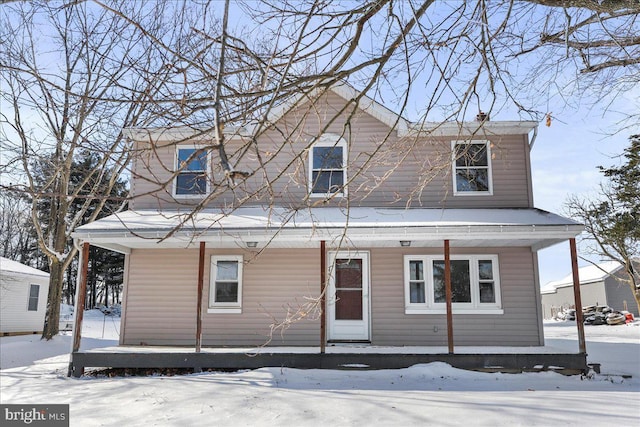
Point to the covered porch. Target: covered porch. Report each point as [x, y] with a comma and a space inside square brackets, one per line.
[343, 357]
[328, 230]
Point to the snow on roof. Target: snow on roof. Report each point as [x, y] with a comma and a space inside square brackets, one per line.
[9, 265]
[260, 218]
[305, 228]
[588, 274]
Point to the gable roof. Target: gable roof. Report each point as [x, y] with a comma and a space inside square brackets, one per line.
[587, 274]
[10, 266]
[370, 106]
[403, 126]
[348, 93]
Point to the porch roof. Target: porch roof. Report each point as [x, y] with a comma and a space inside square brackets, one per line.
[339, 227]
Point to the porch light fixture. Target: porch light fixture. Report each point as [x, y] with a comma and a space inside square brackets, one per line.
[405, 243]
[252, 244]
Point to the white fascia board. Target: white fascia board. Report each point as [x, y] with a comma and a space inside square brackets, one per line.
[373, 108]
[120, 240]
[278, 111]
[180, 134]
[113, 247]
[10, 266]
[22, 274]
[479, 129]
[582, 282]
[348, 93]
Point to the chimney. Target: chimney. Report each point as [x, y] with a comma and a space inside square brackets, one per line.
[482, 117]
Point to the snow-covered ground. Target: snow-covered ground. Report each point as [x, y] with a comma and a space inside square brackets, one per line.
[616, 348]
[432, 394]
[98, 331]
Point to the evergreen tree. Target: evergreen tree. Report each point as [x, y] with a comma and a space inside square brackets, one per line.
[613, 221]
[106, 267]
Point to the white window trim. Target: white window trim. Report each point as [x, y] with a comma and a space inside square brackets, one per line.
[176, 166]
[329, 140]
[37, 298]
[431, 307]
[227, 307]
[489, 169]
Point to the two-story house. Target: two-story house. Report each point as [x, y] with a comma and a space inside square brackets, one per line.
[331, 193]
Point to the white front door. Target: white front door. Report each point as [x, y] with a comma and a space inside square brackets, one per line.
[348, 296]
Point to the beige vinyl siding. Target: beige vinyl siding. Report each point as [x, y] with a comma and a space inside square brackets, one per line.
[276, 283]
[400, 171]
[151, 179]
[161, 298]
[517, 326]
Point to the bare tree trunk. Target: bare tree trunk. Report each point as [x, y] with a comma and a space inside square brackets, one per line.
[67, 290]
[54, 113]
[52, 316]
[93, 298]
[106, 294]
[632, 272]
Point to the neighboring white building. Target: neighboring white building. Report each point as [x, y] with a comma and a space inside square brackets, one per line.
[23, 298]
[601, 284]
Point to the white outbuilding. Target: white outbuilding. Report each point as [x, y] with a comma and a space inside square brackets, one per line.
[23, 298]
[602, 284]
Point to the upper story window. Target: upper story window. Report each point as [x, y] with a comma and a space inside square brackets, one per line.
[191, 168]
[472, 168]
[328, 166]
[475, 285]
[225, 290]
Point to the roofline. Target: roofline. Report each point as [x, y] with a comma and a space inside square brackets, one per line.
[348, 93]
[566, 284]
[439, 229]
[41, 273]
[182, 133]
[472, 128]
[33, 272]
[403, 127]
[538, 236]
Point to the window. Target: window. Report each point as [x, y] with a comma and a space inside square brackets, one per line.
[460, 281]
[474, 284]
[327, 166]
[472, 168]
[225, 290]
[417, 284]
[34, 295]
[191, 168]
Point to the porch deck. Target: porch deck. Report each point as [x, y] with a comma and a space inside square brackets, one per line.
[340, 356]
